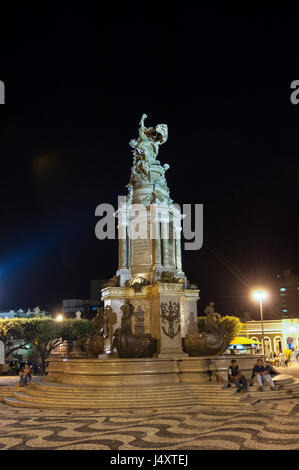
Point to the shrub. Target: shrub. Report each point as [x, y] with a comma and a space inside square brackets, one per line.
[230, 325]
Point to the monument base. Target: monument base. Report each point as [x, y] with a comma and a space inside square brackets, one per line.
[164, 310]
[154, 371]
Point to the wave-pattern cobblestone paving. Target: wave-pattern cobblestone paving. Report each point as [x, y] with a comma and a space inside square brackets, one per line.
[266, 426]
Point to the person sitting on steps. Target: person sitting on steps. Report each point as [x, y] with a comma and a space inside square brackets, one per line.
[236, 377]
[262, 375]
[25, 375]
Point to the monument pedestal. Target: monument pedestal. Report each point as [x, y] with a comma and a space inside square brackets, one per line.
[145, 372]
[162, 310]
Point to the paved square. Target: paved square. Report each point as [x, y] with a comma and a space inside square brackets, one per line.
[265, 426]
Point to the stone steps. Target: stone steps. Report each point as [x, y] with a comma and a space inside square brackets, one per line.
[292, 386]
[61, 396]
[119, 388]
[13, 401]
[124, 400]
[112, 395]
[272, 394]
[22, 399]
[69, 397]
[109, 398]
[6, 392]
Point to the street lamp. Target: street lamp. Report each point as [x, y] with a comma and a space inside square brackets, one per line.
[260, 296]
[59, 317]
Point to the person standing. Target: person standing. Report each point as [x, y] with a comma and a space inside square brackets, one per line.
[281, 360]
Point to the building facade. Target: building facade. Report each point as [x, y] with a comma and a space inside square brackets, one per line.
[279, 335]
[29, 313]
[288, 285]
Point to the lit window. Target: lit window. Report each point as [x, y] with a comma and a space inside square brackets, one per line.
[285, 310]
[283, 289]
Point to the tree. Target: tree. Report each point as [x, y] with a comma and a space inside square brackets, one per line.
[45, 334]
[11, 333]
[229, 325]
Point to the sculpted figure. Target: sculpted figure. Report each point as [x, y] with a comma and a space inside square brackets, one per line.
[126, 319]
[210, 313]
[169, 277]
[102, 326]
[146, 146]
[128, 344]
[111, 319]
[137, 282]
[209, 342]
[95, 341]
[146, 149]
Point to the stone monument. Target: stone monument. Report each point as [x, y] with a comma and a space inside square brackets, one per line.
[147, 333]
[150, 274]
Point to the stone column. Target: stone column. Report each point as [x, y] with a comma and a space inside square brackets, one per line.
[178, 248]
[164, 237]
[158, 259]
[122, 245]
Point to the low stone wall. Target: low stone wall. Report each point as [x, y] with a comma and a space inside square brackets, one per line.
[110, 372]
[246, 363]
[4, 368]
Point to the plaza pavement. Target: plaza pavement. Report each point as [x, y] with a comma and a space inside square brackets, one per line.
[266, 426]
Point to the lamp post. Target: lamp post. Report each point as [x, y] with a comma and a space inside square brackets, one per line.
[260, 296]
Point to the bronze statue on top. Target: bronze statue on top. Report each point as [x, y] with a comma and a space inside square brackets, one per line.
[145, 152]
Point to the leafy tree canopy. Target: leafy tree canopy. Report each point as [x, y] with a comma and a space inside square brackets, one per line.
[230, 325]
[45, 334]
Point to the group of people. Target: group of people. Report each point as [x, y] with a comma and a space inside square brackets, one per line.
[261, 372]
[279, 360]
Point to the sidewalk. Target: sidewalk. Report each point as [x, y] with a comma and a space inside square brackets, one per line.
[293, 370]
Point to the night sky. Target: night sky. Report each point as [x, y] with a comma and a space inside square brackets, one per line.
[77, 82]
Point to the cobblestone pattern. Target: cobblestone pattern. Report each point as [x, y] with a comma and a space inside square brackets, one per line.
[267, 426]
